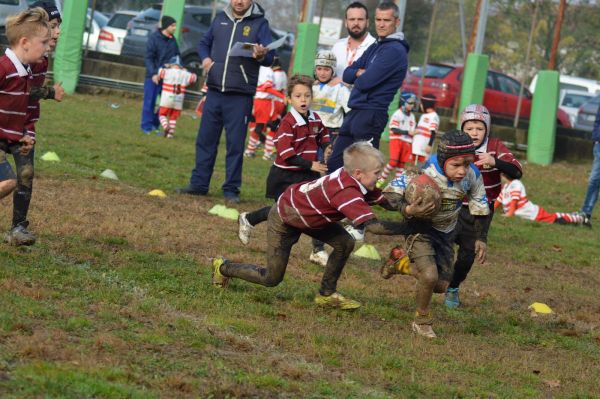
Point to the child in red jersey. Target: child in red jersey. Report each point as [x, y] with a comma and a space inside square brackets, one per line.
[314, 208]
[299, 136]
[19, 233]
[514, 202]
[28, 35]
[491, 158]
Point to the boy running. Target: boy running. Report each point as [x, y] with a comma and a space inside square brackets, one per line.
[314, 208]
[424, 136]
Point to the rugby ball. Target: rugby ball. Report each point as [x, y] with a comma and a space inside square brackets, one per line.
[423, 186]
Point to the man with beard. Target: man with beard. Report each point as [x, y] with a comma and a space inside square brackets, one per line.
[351, 48]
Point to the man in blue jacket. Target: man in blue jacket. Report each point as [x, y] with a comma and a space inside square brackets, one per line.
[160, 48]
[376, 75]
[593, 190]
[231, 84]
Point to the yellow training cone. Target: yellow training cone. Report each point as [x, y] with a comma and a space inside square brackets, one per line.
[230, 213]
[367, 251]
[539, 307]
[157, 193]
[50, 156]
[217, 209]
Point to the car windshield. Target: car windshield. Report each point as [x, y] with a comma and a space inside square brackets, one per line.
[434, 71]
[574, 100]
[120, 21]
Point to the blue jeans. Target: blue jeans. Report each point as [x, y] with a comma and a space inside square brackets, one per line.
[594, 183]
[149, 115]
[232, 111]
[358, 125]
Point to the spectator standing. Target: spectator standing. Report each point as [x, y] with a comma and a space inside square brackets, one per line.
[351, 48]
[376, 77]
[232, 82]
[160, 48]
[591, 196]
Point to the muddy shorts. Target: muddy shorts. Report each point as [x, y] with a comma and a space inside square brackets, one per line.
[434, 243]
[6, 170]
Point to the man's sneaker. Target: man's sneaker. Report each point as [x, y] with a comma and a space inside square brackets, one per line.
[319, 258]
[397, 263]
[19, 235]
[244, 229]
[218, 280]
[231, 198]
[337, 300]
[587, 219]
[190, 191]
[452, 300]
[424, 330]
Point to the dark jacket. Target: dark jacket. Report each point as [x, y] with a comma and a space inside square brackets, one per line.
[596, 131]
[159, 50]
[385, 63]
[235, 74]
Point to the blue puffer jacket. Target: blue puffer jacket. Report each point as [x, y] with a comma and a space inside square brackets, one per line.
[159, 50]
[596, 131]
[385, 63]
[235, 74]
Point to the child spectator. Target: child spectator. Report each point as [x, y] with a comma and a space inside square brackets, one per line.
[491, 158]
[263, 110]
[19, 233]
[331, 102]
[314, 208]
[424, 136]
[175, 79]
[402, 130]
[280, 82]
[297, 140]
[432, 253]
[514, 202]
[28, 35]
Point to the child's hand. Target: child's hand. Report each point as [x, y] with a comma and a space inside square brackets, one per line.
[412, 133]
[26, 145]
[59, 92]
[420, 208]
[327, 153]
[318, 167]
[486, 161]
[156, 79]
[428, 149]
[335, 81]
[480, 251]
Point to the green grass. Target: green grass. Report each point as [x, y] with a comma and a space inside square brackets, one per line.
[114, 301]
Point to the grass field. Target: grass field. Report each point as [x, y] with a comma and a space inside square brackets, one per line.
[115, 301]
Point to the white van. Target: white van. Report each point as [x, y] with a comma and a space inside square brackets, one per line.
[573, 83]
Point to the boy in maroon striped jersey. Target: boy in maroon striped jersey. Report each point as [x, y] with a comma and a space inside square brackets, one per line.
[491, 158]
[19, 234]
[28, 36]
[315, 208]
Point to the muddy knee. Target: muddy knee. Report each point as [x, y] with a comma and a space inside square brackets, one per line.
[25, 175]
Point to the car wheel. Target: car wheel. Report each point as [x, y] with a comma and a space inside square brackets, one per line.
[192, 61]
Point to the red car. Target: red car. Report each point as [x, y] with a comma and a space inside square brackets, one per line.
[500, 97]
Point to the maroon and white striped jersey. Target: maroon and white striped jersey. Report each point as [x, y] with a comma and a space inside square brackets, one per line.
[297, 137]
[38, 71]
[331, 198]
[15, 84]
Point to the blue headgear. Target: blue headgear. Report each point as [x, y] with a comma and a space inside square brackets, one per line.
[407, 97]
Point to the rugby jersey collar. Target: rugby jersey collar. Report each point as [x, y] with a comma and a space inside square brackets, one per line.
[21, 69]
[300, 120]
[336, 174]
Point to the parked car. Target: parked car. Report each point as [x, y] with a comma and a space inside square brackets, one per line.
[500, 97]
[196, 21]
[571, 100]
[11, 7]
[92, 28]
[110, 39]
[587, 114]
[567, 82]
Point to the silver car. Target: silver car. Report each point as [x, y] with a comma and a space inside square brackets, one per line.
[587, 114]
[571, 100]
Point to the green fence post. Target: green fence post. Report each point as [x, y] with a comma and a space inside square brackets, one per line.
[542, 123]
[306, 48]
[67, 59]
[473, 81]
[174, 8]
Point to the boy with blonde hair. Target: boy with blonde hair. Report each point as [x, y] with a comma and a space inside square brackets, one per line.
[28, 36]
[315, 208]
